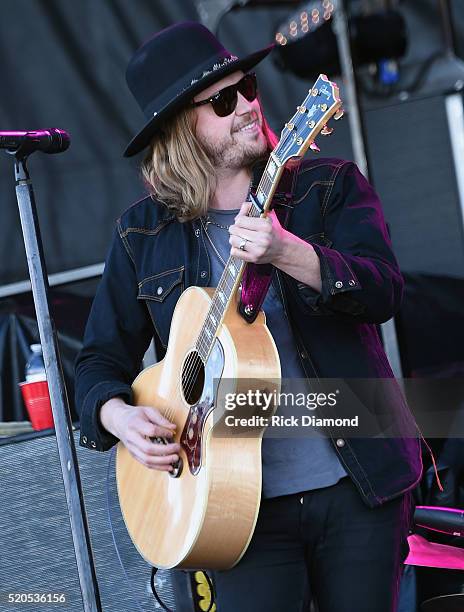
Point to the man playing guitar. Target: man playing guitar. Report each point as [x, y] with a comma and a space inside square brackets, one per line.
[335, 512]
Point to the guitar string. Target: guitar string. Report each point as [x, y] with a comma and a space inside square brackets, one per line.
[203, 344]
[196, 365]
[192, 367]
[215, 308]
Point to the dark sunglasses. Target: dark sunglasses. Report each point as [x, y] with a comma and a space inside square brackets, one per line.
[224, 102]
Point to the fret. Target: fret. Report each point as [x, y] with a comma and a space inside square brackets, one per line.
[261, 199]
[267, 181]
[255, 211]
[214, 319]
[232, 269]
[267, 178]
[202, 352]
[265, 184]
[226, 280]
[219, 304]
[271, 169]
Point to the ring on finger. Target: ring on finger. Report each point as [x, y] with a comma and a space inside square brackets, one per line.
[242, 244]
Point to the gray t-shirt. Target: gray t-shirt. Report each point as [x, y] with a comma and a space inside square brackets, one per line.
[292, 464]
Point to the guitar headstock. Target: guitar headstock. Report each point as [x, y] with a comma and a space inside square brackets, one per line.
[321, 103]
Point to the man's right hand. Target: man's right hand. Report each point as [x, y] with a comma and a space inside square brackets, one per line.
[134, 426]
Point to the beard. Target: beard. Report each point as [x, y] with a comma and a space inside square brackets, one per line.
[235, 151]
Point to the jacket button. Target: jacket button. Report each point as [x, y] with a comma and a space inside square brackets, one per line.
[197, 232]
[203, 274]
[340, 443]
[339, 284]
[84, 439]
[352, 283]
[93, 444]
[159, 291]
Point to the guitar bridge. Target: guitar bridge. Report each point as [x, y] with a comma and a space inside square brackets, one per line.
[178, 465]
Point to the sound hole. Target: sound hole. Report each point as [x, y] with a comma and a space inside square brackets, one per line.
[193, 378]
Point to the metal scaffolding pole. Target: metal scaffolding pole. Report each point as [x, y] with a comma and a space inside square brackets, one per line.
[358, 141]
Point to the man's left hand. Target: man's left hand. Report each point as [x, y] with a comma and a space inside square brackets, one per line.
[264, 237]
[264, 240]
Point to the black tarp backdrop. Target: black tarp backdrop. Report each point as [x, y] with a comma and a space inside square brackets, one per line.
[62, 64]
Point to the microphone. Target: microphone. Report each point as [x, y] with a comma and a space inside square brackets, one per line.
[51, 140]
[445, 520]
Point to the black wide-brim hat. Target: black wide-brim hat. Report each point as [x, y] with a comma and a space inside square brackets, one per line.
[172, 67]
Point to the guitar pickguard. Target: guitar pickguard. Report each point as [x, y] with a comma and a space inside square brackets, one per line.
[191, 438]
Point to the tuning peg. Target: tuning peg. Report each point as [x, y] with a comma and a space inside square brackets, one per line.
[326, 130]
[339, 114]
[313, 146]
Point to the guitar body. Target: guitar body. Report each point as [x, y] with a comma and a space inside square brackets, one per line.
[205, 516]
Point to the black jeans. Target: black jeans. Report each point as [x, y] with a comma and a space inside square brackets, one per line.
[324, 544]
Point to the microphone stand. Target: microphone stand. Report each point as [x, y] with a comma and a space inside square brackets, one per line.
[58, 395]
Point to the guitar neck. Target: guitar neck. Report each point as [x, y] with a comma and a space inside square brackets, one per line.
[234, 268]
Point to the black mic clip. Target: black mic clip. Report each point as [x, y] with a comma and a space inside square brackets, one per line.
[20, 144]
[21, 152]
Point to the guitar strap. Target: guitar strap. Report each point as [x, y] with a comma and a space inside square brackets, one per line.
[257, 277]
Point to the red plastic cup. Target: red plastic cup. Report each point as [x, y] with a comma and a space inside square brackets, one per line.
[37, 400]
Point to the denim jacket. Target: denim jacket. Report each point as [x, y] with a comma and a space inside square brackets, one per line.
[153, 258]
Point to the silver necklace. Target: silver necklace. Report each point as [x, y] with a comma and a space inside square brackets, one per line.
[208, 219]
[205, 227]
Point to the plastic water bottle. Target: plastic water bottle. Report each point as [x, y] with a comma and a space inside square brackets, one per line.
[35, 367]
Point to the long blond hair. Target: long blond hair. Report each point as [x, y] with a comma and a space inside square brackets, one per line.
[178, 171]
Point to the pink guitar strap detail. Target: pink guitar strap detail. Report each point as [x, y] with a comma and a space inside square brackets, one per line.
[257, 277]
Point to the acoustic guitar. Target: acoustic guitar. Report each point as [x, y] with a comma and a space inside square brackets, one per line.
[202, 515]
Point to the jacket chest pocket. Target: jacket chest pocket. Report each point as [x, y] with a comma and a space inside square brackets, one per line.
[161, 292]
